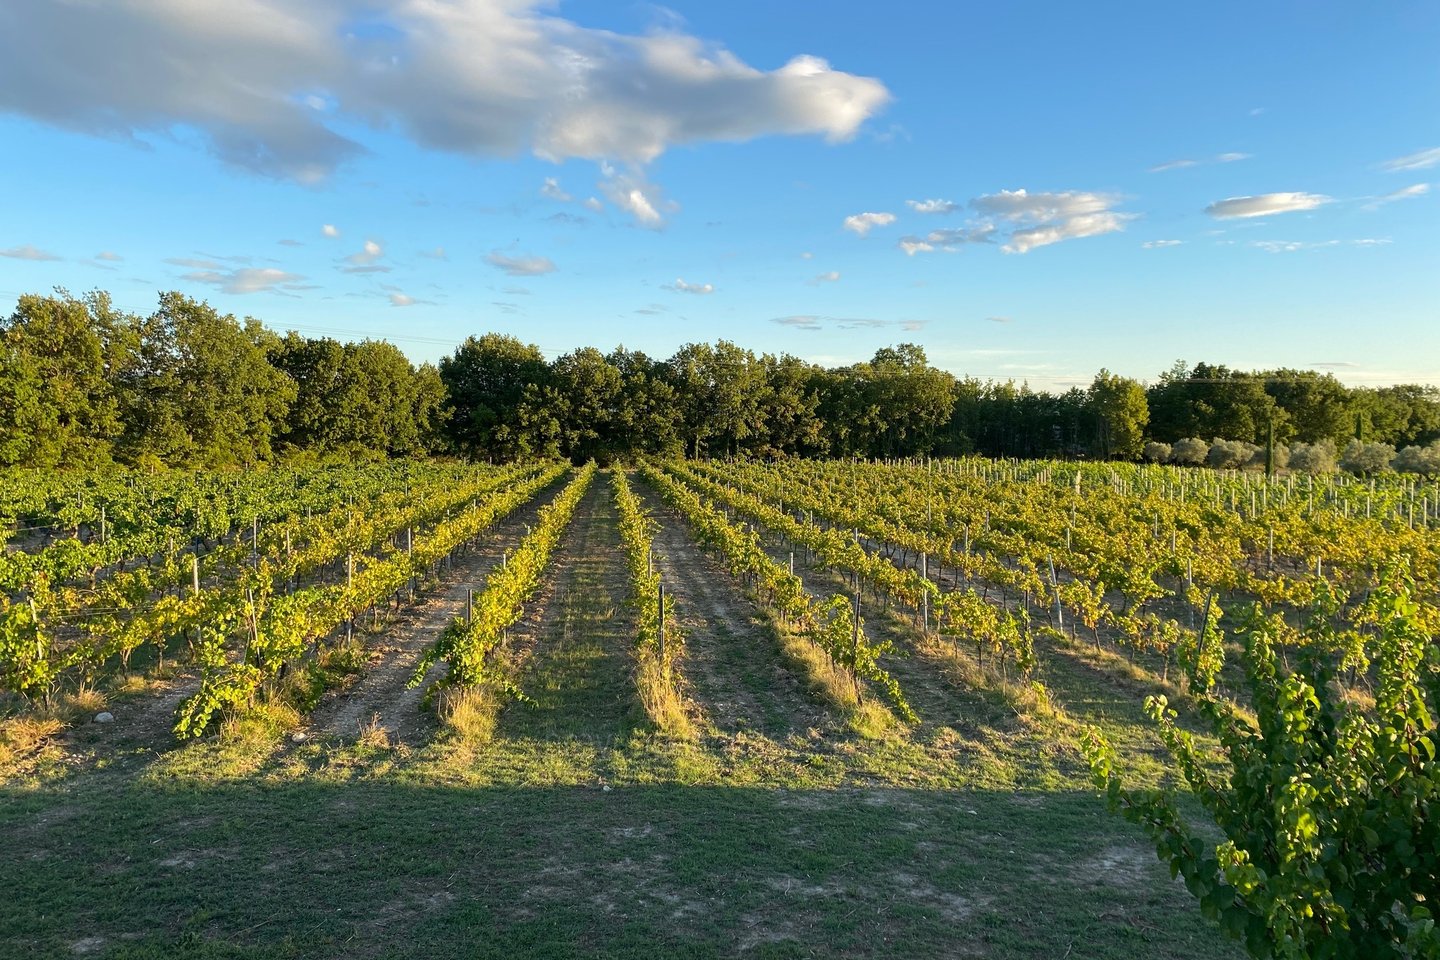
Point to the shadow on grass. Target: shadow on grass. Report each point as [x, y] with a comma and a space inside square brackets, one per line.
[376, 868]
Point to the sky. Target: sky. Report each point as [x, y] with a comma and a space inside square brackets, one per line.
[1030, 191]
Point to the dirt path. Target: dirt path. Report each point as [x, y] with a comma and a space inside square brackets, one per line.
[142, 728]
[577, 670]
[736, 674]
[382, 696]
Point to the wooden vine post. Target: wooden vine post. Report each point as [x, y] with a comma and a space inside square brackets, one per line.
[660, 626]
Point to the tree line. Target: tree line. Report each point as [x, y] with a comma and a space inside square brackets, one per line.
[83, 383]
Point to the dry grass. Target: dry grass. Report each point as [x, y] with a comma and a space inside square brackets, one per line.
[77, 707]
[138, 684]
[470, 714]
[25, 735]
[869, 718]
[826, 678]
[263, 724]
[344, 656]
[373, 735]
[21, 737]
[661, 697]
[1027, 698]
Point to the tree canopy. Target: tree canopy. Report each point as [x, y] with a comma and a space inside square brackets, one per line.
[83, 383]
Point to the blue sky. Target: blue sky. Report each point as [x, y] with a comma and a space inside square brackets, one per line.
[1029, 190]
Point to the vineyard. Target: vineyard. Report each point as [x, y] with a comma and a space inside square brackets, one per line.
[699, 708]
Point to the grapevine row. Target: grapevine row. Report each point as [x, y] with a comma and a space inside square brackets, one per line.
[831, 624]
[281, 628]
[465, 647]
[656, 639]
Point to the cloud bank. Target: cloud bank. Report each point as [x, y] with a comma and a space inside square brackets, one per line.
[274, 86]
[245, 280]
[1025, 220]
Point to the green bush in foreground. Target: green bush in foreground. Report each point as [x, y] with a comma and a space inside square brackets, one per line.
[1330, 813]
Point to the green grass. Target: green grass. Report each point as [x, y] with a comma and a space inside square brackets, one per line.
[578, 831]
[347, 857]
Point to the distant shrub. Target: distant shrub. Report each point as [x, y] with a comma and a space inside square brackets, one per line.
[1189, 452]
[1156, 452]
[1366, 458]
[1230, 454]
[1423, 460]
[1319, 457]
[1281, 457]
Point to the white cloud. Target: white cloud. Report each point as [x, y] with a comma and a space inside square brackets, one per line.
[955, 236]
[476, 77]
[1230, 157]
[593, 204]
[1040, 219]
[28, 252]
[363, 261]
[999, 319]
[807, 255]
[1404, 193]
[1423, 160]
[872, 324]
[933, 206]
[401, 300]
[636, 196]
[245, 279]
[438, 253]
[808, 321]
[862, 222]
[799, 321]
[1372, 242]
[330, 230]
[1264, 205]
[1160, 244]
[552, 190]
[1174, 165]
[1291, 246]
[109, 257]
[950, 238]
[371, 252]
[680, 286]
[828, 277]
[520, 266]
[194, 263]
[1023, 207]
[1089, 225]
